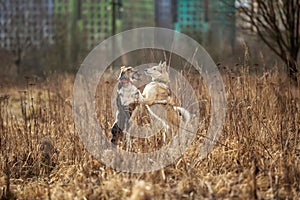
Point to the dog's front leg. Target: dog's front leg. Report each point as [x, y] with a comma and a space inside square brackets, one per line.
[152, 101]
[160, 102]
[146, 101]
[153, 98]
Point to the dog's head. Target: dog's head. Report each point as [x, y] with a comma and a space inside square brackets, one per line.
[128, 74]
[158, 72]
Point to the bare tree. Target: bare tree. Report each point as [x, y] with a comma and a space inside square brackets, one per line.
[277, 24]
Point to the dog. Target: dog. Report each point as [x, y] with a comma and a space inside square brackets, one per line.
[158, 90]
[127, 98]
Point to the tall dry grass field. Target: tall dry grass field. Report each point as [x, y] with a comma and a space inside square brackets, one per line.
[256, 157]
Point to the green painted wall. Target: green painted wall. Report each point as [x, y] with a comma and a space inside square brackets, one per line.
[91, 17]
[191, 18]
[138, 13]
[205, 20]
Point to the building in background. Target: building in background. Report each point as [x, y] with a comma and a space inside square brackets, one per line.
[210, 22]
[190, 18]
[92, 18]
[99, 19]
[165, 13]
[24, 23]
[138, 13]
[222, 24]
[207, 21]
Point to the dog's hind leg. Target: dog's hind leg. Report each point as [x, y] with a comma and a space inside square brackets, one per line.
[121, 123]
[116, 132]
[128, 141]
[165, 125]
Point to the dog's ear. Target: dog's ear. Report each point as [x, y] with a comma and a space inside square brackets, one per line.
[123, 69]
[120, 75]
[164, 64]
[164, 67]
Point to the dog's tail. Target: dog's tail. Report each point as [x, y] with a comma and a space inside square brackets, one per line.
[184, 113]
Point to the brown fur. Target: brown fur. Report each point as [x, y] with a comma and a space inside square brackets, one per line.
[158, 92]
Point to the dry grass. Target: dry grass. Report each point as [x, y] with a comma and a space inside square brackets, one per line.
[257, 156]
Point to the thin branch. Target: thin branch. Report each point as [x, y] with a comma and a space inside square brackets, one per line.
[297, 22]
[270, 45]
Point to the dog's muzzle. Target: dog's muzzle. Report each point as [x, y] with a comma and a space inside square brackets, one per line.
[136, 75]
[146, 71]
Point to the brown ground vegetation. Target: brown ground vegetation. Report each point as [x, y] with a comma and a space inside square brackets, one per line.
[257, 155]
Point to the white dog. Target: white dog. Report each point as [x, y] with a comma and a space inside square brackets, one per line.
[158, 90]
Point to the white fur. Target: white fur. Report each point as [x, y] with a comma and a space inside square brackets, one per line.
[160, 78]
[129, 94]
[184, 113]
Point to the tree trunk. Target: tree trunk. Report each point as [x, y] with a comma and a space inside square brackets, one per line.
[18, 65]
[18, 59]
[292, 69]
